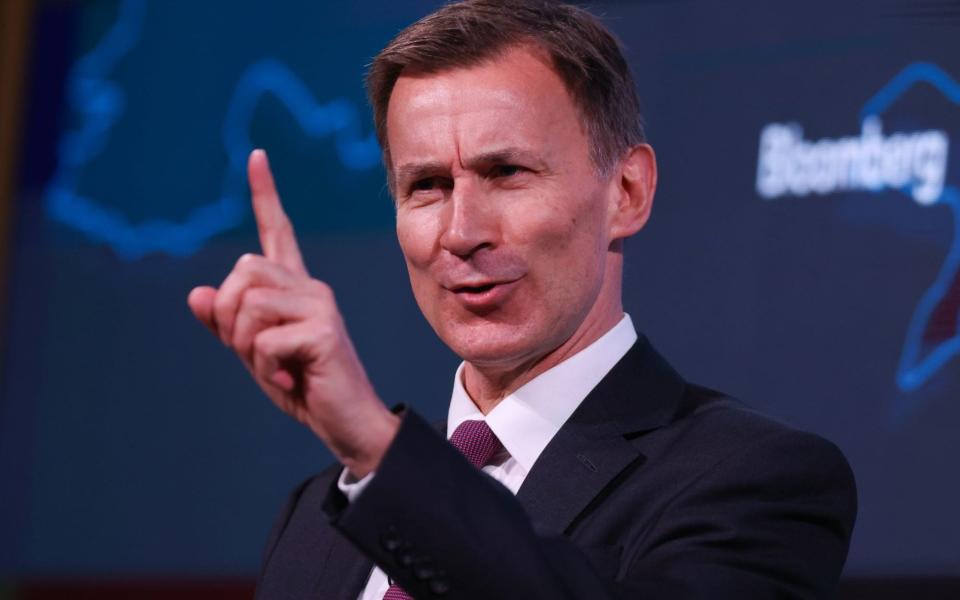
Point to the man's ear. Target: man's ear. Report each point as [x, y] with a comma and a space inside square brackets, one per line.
[635, 182]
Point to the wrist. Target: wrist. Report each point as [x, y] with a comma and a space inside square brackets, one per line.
[379, 435]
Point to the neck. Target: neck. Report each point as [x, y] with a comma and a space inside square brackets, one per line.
[488, 385]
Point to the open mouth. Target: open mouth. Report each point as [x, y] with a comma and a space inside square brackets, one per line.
[483, 295]
[474, 289]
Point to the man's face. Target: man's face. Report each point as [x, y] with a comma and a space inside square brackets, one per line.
[501, 215]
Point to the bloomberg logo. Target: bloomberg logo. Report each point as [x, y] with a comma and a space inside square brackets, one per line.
[790, 165]
[913, 163]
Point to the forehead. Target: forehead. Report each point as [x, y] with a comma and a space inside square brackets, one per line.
[513, 100]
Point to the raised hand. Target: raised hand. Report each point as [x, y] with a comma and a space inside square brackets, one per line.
[287, 330]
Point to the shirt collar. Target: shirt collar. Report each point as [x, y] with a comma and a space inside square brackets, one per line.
[526, 420]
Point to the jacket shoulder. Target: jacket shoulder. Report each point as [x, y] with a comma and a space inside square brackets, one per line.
[713, 427]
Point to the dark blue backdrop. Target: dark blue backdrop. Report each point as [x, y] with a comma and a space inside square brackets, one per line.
[132, 442]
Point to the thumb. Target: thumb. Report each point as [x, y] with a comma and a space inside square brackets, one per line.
[200, 301]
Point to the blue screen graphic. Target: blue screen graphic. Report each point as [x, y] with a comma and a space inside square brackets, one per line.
[803, 255]
[933, 336]
[100, 103]
[912, 163]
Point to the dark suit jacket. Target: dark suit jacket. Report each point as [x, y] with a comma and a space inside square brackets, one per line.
[654, 488]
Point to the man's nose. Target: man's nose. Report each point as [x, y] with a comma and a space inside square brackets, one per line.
[469, 221]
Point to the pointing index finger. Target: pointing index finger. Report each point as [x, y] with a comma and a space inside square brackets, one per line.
[277, 238]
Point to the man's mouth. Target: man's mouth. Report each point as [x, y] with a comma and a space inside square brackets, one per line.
[474, 289]
[483, 295]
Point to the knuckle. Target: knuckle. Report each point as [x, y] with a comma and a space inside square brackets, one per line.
[262, 343]
[324, 333]
[246, 260]
[283, 225]
[322, 290]
[221, 304]
[326, 336]
[253, 298]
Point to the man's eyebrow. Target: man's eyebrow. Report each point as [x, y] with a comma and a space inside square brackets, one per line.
[500, 156]
[415, 171]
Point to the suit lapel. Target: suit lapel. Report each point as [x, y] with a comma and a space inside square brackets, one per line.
[344, 572]
[345, 569]
[572, 470]
[641, 393]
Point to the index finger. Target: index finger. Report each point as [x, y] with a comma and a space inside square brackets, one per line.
[276, 232]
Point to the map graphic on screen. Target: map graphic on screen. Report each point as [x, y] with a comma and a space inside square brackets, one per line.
[99, 103]
[914, 163]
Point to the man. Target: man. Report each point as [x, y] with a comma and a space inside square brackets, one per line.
[514, 152]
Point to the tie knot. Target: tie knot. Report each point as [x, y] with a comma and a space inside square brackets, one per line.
[476, 441]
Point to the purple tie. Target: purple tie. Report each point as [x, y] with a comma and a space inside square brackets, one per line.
[478, 443]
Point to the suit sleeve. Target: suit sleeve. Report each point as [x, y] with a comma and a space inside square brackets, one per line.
[754, 526]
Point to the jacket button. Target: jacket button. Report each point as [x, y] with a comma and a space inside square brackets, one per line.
[423, 570]
[405, 556]
[439, 587]
[390, 539]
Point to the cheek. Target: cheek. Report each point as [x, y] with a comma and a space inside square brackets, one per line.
[416, 236]
[568, 253]
[571, 234]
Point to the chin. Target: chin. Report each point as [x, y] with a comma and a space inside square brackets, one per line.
[495, 344]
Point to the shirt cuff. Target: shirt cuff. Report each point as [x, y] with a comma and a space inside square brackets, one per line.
[352, 487]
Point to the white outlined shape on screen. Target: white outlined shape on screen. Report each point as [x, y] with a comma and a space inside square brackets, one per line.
[99, 104]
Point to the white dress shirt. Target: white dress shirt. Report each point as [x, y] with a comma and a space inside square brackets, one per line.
[525, 421]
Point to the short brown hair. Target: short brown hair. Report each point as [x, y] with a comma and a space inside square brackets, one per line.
[585, 55]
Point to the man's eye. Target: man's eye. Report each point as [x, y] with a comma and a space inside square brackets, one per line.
[506, 170]
[428, 184]
[424, 185]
